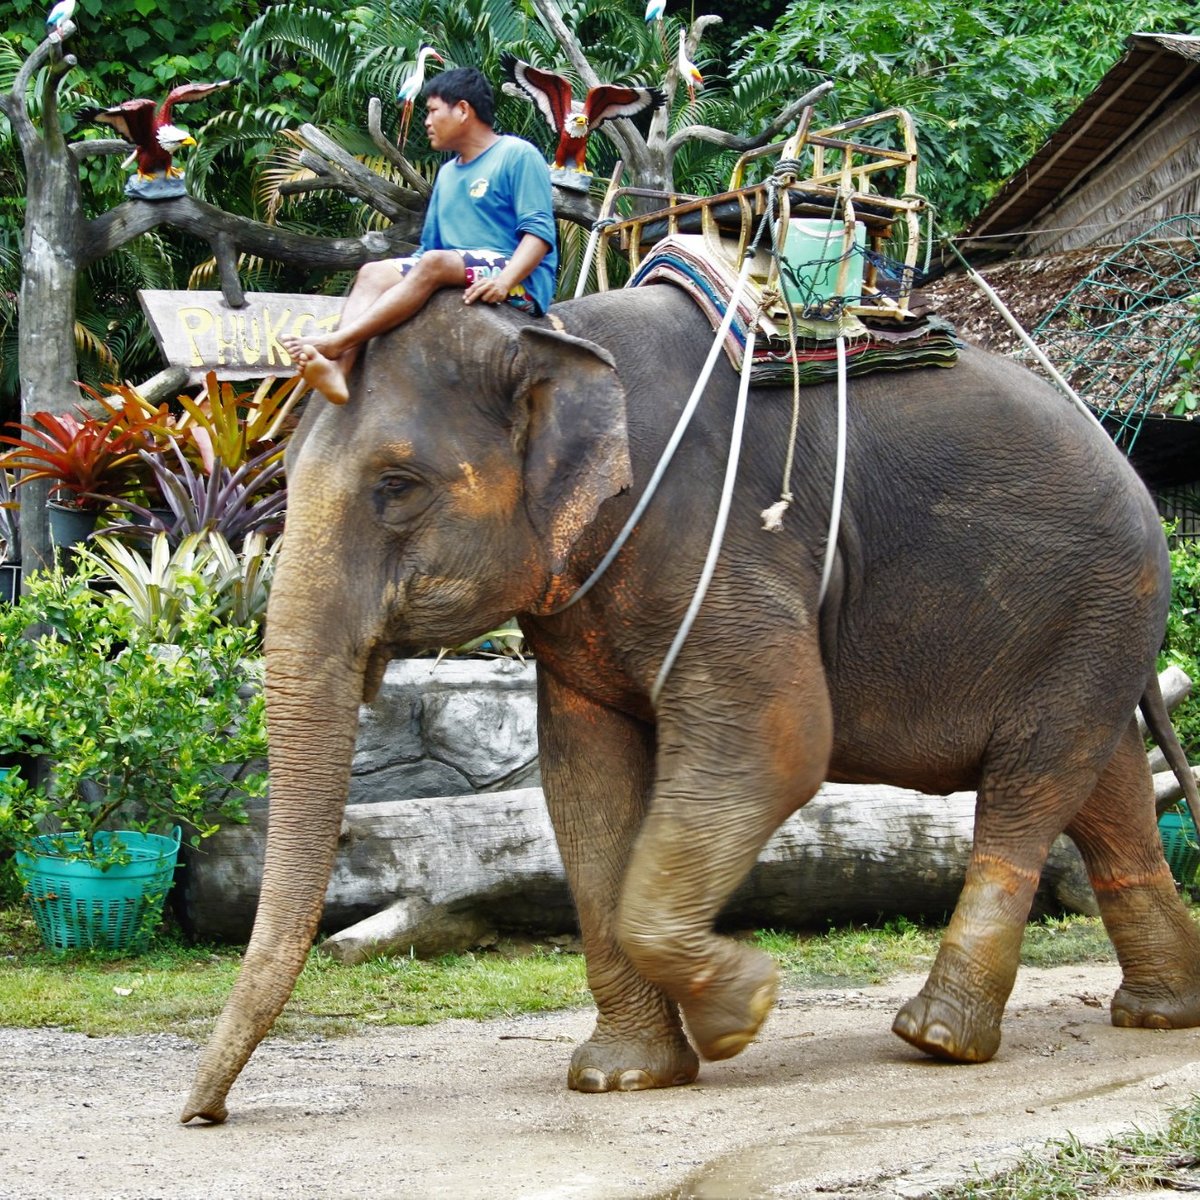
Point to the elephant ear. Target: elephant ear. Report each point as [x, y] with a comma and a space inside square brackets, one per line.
[576, 447]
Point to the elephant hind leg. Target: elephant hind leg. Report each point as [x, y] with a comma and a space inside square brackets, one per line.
[956, 1016]
[1021, 807]
[1157, 942]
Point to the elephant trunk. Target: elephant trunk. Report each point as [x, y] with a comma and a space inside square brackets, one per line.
[312, 711]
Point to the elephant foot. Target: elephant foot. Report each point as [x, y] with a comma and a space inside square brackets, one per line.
[724, 1011]
[212, 1111]
[947, 1029]
[1162, 1009]
[632, 1064]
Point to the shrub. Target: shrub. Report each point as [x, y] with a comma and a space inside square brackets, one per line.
[1181, 646]
[135, 735]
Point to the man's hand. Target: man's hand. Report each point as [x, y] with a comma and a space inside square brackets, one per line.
[492, 290]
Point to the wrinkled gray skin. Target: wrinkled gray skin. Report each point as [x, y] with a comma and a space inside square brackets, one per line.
[1000, 592]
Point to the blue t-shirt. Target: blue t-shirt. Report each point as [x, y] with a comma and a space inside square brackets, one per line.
[490, 203]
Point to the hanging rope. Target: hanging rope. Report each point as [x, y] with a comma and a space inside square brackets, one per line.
[772, 516]
[668, 453]
[839, 472]
[718, 533]
[602, 222]
[1015, 325]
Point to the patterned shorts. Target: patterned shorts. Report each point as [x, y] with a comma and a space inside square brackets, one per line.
[482, 264]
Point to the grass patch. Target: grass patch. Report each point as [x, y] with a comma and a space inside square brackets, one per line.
[175, 987]
[178, 988]
[853, 955]
[1138, 1161]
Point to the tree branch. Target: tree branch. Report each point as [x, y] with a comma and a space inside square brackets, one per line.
[408, 172]
[706, 133]
[88, 147]
[15, 104]
[347, 174]
[111, 230]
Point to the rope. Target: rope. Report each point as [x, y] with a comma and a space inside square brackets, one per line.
[772, 516]
[590, 252]
[839, 471]
[1028, 342]
[718, 533]
[672, 445]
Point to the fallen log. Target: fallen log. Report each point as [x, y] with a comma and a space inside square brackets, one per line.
[439, 873]
[432, 875]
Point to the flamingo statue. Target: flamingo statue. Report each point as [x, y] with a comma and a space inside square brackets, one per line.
[688, 71]
[410, 89]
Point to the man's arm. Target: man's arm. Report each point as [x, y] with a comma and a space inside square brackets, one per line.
[495, 288]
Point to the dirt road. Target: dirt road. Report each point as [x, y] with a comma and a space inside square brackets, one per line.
[828, 1103]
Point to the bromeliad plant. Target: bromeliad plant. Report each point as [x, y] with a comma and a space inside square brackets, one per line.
[134, 735]
[231, 503]
[162, 591]
[10, 525]
[85, 458]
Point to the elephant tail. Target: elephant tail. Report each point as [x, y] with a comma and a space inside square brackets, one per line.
[1158, 722]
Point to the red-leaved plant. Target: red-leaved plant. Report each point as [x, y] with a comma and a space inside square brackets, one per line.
[86, 458]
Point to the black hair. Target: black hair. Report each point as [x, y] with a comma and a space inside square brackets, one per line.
[464, 83]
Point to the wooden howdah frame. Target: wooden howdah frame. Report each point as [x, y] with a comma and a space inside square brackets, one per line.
[841, 182]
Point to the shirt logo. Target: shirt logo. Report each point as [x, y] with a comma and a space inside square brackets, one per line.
[478, 188]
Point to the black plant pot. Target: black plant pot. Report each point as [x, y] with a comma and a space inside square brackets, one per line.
[10, 583]
[70, 526]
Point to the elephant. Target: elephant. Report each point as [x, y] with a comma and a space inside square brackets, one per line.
[996, 598]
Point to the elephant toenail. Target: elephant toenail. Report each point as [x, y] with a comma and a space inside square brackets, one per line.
[589, 1080]
[634, 1081]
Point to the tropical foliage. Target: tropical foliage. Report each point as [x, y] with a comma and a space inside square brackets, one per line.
[137, 737]
[987, 82]
[1181, 647]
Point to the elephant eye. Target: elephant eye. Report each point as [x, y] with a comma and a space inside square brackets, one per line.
[400, 496]
[395, 484]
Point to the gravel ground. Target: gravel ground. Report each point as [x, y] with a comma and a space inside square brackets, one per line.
[827, 1103]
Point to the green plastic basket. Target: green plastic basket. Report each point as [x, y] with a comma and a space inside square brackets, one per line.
[1180, 845]
[75, 904]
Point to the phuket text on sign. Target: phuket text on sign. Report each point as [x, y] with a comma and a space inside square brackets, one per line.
[199, 331]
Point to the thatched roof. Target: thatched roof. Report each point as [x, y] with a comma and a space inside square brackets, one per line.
[1121, 162]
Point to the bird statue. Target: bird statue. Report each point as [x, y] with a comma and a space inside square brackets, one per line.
[572, 121]
[410, 89]
[688, 71]
[57, 17]
[155, 138]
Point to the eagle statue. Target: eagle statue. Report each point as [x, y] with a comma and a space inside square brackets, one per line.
[154, 136]
[572, 121]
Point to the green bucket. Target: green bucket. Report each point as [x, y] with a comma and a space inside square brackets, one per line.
[76, 904]
[1180, 847]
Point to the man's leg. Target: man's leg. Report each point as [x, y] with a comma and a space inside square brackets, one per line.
[378, 301]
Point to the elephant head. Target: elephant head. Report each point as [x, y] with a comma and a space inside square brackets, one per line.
[475, 449]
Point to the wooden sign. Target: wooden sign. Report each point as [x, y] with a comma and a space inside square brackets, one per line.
[199, 331]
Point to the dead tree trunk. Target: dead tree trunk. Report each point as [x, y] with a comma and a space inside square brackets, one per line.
[53, 224]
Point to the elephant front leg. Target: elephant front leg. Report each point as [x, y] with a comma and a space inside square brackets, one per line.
[729, 772]
[597, 767]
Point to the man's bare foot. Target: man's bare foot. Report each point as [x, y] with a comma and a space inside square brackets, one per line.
[319, 372]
